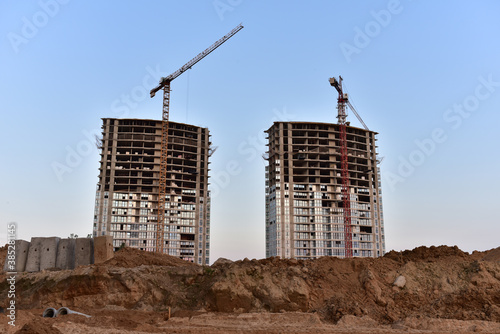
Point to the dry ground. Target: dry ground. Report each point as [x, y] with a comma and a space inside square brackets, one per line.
[446, 291]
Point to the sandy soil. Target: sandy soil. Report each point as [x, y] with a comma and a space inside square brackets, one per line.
[114, 322]
[425, 290]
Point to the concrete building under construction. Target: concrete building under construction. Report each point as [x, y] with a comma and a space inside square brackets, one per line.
[304, 203]
[126, 205]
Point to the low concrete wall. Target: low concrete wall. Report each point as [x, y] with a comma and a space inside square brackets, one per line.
[84, 251]
[53, 252]
[48, 252]
[33, 261]
[21, 255]
[22, 248]
[66, 254]
[103, 248]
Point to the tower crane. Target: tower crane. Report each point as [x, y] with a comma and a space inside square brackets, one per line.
[165, 85]
[342, 103]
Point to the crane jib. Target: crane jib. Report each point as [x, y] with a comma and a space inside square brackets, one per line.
[196, 59]
[165, 85]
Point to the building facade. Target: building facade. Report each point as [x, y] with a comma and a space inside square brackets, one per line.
[126, 205]
[304, 209]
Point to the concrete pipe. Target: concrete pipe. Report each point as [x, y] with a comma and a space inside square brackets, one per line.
[65, 310]
[49, 312]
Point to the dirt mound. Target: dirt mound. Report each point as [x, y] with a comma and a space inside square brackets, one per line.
[433, 282]
[440, 282]
[126, 320]
[38, 327]
[3, 255]
[424, 253]
[492, 255]
[132, 257]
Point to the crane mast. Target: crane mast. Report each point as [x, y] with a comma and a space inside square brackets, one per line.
[342, 103]
[165, 85]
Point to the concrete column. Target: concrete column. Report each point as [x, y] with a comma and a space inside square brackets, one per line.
[48, 252]
[21, 255]
[66, 254]
[33, 260]
[103, 248]
[22, 247]
[84, 251]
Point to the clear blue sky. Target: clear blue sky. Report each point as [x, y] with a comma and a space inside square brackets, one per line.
[425, 75]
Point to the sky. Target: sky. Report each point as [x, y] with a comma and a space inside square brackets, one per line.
[425, 75]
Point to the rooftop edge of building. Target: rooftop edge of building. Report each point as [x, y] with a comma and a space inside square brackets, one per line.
[321, 123]
[152, 120]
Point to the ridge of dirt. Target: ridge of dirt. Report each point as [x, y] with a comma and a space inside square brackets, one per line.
[39, 327]
[136, 289]
[132, 257]
[424, 253]
[492, 255]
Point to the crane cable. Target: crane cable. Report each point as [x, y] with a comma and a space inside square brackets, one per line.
[187, 97]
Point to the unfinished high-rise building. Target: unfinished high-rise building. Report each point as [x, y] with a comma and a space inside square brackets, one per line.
[304, 203]
[126, 204]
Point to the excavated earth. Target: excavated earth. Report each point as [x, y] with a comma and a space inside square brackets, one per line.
[425, 290]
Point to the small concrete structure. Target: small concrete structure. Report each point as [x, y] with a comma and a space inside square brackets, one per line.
[53, 252]
[33, 261]
[48, 252]
[84, 251]
[66, 254]
[21, 248]
[103, 248]
[49, 312]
